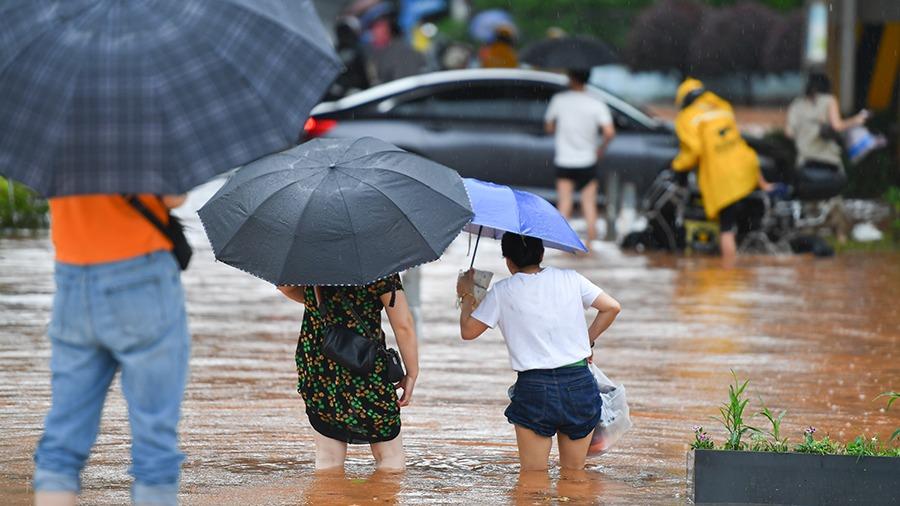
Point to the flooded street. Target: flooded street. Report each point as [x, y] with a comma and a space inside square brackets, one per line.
[816, 337]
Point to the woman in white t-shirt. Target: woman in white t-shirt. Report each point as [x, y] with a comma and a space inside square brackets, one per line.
[540, 312]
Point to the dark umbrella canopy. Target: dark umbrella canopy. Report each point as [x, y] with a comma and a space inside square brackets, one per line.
[335, 212]
[579, 52]
[157, 96]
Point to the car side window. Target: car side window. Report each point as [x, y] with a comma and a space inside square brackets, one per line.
[506, 102]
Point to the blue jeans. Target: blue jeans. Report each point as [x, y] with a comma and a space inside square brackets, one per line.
[126, 315]
[548, 401]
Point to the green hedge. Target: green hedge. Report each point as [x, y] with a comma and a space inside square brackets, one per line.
[26, 210]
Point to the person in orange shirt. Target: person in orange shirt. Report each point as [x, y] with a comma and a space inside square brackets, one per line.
[501, 52]
[119, 305]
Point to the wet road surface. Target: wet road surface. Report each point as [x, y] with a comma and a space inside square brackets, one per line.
[816, 337]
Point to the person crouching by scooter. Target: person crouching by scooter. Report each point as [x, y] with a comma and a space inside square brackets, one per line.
[727, 168]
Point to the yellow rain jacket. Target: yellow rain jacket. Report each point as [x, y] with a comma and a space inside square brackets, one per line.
[709, 138]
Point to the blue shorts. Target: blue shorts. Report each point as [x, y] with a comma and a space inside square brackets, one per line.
[548, 401]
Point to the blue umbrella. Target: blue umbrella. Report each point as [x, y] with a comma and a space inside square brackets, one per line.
[483, 26]
[112, 96]
[499, 209]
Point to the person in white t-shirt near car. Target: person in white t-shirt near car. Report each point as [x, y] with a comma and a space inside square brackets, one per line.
[540, 312]
[577, 118]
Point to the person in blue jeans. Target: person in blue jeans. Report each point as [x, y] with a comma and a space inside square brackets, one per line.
[540, 312]
[118, 306]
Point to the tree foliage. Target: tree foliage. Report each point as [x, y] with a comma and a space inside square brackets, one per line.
[782, 5]
[784, 48]
[20, 207]
[711, 37]
[660, 38]
[607, 20]
[732, 40]
[715, 38]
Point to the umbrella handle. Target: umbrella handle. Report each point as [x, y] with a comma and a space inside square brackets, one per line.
[480, 227]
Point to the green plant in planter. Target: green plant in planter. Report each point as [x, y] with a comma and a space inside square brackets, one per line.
[702, 441]
[732, 415]
[893, 396]
[824, 446]
[759, 443]
[775, 443]
[864, 447]
[732, 418]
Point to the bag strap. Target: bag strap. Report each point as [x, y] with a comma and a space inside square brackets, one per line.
[146, 213]
[323, 310]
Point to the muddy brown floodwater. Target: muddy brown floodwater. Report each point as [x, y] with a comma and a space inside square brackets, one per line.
[816, 337]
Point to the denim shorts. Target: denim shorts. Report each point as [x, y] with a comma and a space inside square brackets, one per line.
[548, 401]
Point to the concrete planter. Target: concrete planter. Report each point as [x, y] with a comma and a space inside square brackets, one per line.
[794, 478]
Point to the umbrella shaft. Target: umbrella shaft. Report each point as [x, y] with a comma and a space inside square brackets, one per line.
[476, 247]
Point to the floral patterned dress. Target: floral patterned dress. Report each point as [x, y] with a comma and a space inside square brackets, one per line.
[341, 405]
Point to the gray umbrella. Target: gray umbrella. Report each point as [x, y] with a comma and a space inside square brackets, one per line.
[157, 96]
[335, 212]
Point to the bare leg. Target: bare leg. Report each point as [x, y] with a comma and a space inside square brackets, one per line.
[580, 486]
[589, 210]
[330, 453]
[532, 488]
[573, 452]
[564, 190]
[728, 245]
[389, 455]
[534, 449]
[47, 498]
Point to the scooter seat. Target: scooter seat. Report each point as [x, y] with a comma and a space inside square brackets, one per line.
[818, 182]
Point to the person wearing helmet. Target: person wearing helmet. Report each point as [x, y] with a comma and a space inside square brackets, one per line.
[727, 168]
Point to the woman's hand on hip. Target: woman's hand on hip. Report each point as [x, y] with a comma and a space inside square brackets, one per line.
[407, 384]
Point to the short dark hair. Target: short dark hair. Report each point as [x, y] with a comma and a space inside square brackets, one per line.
[817, 83]
[522, 250]
[579, 76]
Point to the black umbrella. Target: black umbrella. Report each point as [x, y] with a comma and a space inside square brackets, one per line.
[579, 52]
[111, 96]
[336, 212]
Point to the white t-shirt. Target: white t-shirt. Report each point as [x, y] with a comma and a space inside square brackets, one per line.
[541, 317]
[578, 116]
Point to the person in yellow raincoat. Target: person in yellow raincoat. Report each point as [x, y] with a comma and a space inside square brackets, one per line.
[727, 168]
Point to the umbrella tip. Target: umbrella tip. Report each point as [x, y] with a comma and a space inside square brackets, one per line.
[333, 165]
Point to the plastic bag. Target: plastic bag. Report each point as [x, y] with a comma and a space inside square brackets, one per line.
[860, 142]
[615, 419]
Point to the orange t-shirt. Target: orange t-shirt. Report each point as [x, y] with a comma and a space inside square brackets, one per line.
[93, 229]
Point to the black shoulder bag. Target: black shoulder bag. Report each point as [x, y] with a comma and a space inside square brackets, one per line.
[174, 231]
[357, 352]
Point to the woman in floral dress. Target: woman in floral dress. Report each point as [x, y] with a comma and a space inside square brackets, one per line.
[344, 408]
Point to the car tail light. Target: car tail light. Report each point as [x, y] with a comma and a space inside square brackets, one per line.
[315, 127]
